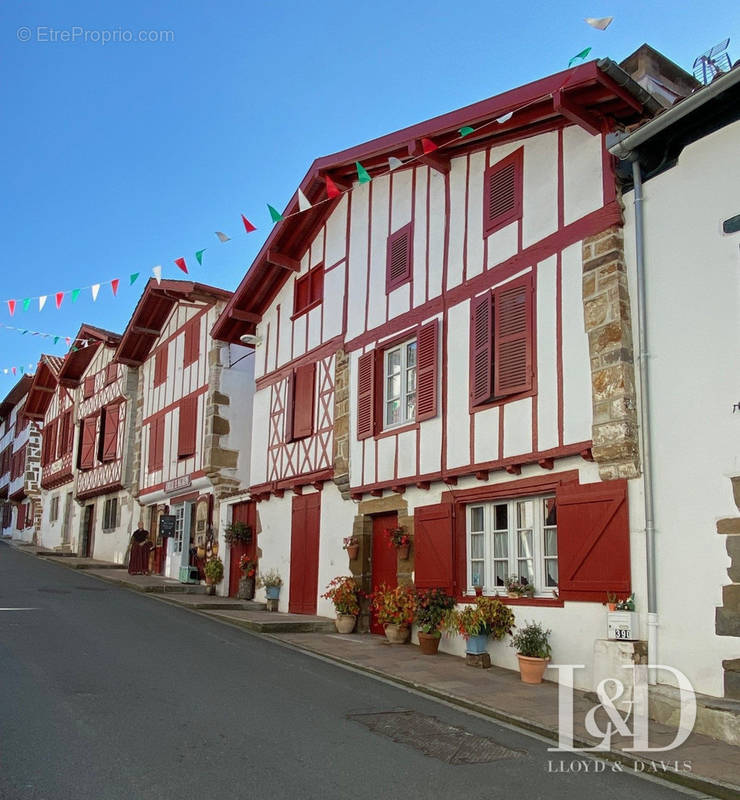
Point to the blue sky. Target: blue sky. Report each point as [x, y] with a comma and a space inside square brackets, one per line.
[122, 155]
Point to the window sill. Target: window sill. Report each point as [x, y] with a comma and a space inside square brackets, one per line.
[550, 602]
[408, 426]
[306, 309]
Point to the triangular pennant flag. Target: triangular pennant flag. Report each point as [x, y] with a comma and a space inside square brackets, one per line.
[600, 23]
[58, 297]
[303, 203]
[579, 57]
[248, 227]
[21, 369]
[157, 272]
[114, 286]
[5, 371]
[24, 332]
[362, 174]
[222, 237]
[13, 370]
[504, 118]
[199, 256]
[75, 294]
[466, 130]
[11, 307]
[394, 163]
[182, 265]
[427, 145]
[68, 340]
[132, 278]
[75, 349]
[332, 190]
[26, 303]
[56, 339]
[274, 214]
[42, 302]
[95, 288]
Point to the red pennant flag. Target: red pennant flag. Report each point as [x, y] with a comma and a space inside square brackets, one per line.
[332, 190]
[181, 263]
[248, 227]
[13, 370]
[68, 340]
[114, 286]
[11, 307]
[427, 145]
[58, 297]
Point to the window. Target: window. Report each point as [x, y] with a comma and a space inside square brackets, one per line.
[156, 444]
[398, 258]
[179, 527]
[513, 538]
[88, 387]
[502, 187]
[110, 514]
[308, 291]
[160, 366]
[502, 342]
[399, 400]
[111, 373]
[192, 342]
[108, 439]
[88, 429]
[300, 403]
[64, 445]
[54, 509]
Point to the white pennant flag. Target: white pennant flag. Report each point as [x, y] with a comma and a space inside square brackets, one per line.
[504, 118]
[303, 203]
[95, 289]
[222, 237]
[157, 272]
[600, 23]
[394, 163]
[42, 301]
[5, 371]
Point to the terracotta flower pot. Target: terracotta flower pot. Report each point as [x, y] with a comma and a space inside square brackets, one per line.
[345, 623]
[531, 669]
[397, 634]
[353, 550]
[611, 606]
[403, 551]
[429, 643]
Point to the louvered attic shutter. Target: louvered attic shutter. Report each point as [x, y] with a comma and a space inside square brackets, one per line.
[593, 540]
[289, 400]
[512, 358]
[156, 444]
[366, 395]
[303, 401]
[51, 455]
[111, 373]
[433, 547]
[481, 349]
[503, 192]
[187, 428]
[160, 366]
[426, 371]
[192, 341]
[110, 433]
[88, 387]
[87, 446]
[69, 439]
[398, 258]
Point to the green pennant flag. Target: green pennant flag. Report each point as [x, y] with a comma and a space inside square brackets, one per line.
[466, 130]
[21, 370]
[75, 294]
[26, 303]
[75, 349]
[23, 333]
[56, 339]
[199, 255]
[276, 215]
[580, 57]
[132, 278]
[362, 173]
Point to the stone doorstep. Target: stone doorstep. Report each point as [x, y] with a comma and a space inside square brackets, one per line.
[716, 717]
[276, 622]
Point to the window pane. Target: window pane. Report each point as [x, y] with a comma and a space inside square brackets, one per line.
[392, 412]
[393, 387]
[551, 572]
[551, 542]
[476, 573]
[500, 573]
[476, 518]
[411, 407]
[525, 573]
[411, 354]
[302, 294]
[500, 545]
[394, 362]
[501, 518]
[549, 511]
[524, 514]
[476, 545]
[525, 544]
[410, 380]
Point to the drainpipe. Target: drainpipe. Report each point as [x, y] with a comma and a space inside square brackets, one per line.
[647, 462]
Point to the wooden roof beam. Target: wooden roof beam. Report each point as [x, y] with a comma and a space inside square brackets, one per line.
[145, 331]
[434, 159]
[245, 316]
[575, 113]
[281, 260]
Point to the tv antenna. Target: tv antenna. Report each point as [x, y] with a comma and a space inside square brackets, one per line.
[711, 63]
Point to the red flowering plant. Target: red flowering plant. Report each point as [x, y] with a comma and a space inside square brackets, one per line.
[248, 566]
[344, 592]
[394, 606]
[486, 617]
[432, 608]
[350, 541]
[397, 537]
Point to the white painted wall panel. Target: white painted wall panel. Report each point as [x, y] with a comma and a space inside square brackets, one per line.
[420, 238]
[333, 301]
[399, 301]
[430, 445]
[437, 204]
[540, 217]
[401, 199]
[458, 185]
[407, 453]
[336, 231]
[547, 354]
[358, 252]
[458, 369]
[518, 427]
[299, 334]
[378, 250]
[317, 249]
[386, 458]
[486, 435]
[503, 244]
[474, 256]
[582, 173]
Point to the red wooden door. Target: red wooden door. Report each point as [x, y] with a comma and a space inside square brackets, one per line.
[246, 513]
[304, 553]
[384, 563]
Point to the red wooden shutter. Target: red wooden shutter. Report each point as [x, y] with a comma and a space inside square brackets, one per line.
[110, 433]
[156, 444]
[160, 366]
[303, 397]
[111, 373]
[366, 395]
[433, 547]
[481, 349]
[317, 284]
[593, 540]
[62, 436]
[51, 455]
[513, 333]
[192, 341]
[187, 428]
[87, 445]
[289, 395]
[69, 438]
[20, 522]
[88, 387]
[503, 198]
[398, 258]
[426, 370]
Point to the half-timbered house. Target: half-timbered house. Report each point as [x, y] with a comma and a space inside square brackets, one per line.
[194, 420]
[51, 405]
[105, 403]
[446, 348]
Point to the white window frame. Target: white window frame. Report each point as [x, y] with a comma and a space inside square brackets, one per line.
[402, 348]
[110, 508]
[538, 556]
[54, 508]
[179, 511]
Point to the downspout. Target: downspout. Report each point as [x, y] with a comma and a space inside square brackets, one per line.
[647, 461]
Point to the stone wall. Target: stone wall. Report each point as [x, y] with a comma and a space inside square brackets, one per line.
[341, 423]
[607, 316]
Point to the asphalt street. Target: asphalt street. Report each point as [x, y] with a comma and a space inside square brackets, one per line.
[107, 694]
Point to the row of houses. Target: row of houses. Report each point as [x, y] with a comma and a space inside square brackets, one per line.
[517, 342]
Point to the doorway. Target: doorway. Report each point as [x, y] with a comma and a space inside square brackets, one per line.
[66, 519]
[304, 553]
[245, 513]
[384, 561]
[86, 531]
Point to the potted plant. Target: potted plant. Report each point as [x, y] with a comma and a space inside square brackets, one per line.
[398, 538]
[352, 546]
[395, 609]
[248, 567]
[533, 651]
[271, 581]
[488, 616]
[238, 532]
[345, 594]
[519, 588]
[214, 571]
[611, 601]
[432, 607]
